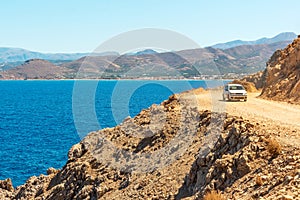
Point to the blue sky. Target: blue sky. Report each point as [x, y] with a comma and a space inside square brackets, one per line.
[81, 26]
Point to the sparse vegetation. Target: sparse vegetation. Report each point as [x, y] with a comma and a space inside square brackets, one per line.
[213, 195]
[259, 181]
[274, 147]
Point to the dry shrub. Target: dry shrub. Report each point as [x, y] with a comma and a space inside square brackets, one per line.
[213, 195]
[274, 147]
[259, 181]
[199, 90]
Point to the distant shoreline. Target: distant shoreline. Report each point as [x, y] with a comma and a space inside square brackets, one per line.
[116, 79]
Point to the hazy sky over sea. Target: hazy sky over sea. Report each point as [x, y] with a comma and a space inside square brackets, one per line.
[80, 26]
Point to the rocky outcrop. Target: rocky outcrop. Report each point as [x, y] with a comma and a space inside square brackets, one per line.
[6, 189]
[242, 167]
[229, 160]
[283, 74]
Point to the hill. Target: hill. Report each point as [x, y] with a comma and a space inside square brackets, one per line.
[286, 36]
[35, 69]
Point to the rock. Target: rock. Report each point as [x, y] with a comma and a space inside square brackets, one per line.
[286, 197]
[242, 165]
[76, 151]
[51, 170]
[287, 179]
[137, 186]
[124, 184]
[174, 97]
[6, 185]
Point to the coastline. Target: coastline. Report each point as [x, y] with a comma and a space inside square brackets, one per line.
[137, 79]
[234, 147]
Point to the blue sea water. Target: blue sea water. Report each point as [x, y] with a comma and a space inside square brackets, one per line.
[37, 126]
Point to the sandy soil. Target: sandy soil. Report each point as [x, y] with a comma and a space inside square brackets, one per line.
[279, 118]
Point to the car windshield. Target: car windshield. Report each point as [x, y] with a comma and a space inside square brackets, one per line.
[236, 87]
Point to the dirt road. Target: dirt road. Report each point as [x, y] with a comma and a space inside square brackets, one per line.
[279, 118]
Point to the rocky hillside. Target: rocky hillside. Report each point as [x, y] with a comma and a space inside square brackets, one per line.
[172, 151]
[283, 74]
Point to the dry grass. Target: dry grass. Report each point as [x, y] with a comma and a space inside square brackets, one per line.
[195, 91]
[213, 195]
[259, 181]
[273, 147]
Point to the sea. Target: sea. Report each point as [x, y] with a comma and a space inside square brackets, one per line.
[40, 120]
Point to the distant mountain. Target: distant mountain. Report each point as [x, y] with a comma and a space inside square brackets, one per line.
[145, 52]
[35, 69]
[231, 62]
[9, 55]
[286, 36]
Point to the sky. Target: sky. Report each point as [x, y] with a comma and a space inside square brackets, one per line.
[65, 26]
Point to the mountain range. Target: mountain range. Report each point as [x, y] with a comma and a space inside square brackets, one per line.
[209, 61]
[16, 55]
[286, 36]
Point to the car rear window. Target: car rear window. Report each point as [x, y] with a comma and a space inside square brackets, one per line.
[236, 87]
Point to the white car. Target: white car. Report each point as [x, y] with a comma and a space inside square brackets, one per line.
[234, 92]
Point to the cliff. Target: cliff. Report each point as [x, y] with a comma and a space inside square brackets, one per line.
[283, 74]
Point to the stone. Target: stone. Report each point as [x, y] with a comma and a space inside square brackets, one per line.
[51, 170]
[6, 185]
[286, 197]
[76, 151]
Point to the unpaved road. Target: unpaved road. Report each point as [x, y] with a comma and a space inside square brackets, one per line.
[279, 118]
[255, 108]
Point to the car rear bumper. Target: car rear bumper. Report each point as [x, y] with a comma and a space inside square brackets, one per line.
[237, 97]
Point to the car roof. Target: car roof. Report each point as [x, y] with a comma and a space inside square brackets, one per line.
[231, 84]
